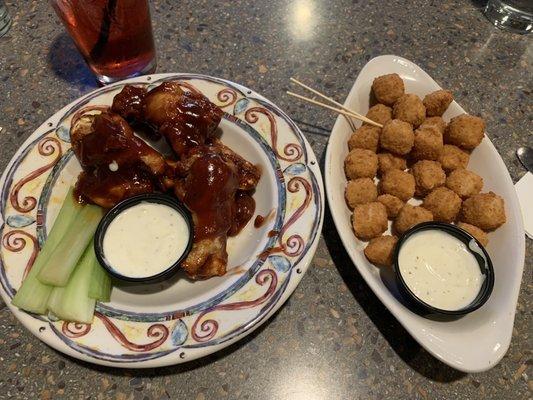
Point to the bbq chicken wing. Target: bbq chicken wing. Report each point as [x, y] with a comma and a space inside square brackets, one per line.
[216, 189]
[106, 138]
[248, 173]
[208, 191]
[230, 213]
[116, 164]
[129, 103]
[185, 119]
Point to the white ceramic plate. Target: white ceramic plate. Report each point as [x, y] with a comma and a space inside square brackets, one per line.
[479, 340]
[162, 324]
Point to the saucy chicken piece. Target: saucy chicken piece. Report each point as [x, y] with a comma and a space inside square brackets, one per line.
[216, 191]
[249, 173]
[116, 163]
[106, 138]
[129, 103]
[208, 191]
[168, 102]
[106, 188]
[185, 119]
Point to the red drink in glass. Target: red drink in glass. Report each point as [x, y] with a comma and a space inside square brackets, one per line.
[114, 36]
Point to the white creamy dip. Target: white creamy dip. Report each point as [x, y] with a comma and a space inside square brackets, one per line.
[440, 270]
[145, 239]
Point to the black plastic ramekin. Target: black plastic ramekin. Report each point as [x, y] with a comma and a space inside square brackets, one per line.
[475, 248]
[122, 206]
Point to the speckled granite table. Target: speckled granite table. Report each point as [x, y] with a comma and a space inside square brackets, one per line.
[333, 338]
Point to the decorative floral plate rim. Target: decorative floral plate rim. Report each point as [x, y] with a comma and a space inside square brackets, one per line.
[140, 340]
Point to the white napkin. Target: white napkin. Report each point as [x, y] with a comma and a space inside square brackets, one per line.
[524, 190]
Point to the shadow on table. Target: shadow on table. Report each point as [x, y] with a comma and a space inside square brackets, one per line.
[67, 63]
[479, 3]
[398, 338]
[178, 368]
[310, 129]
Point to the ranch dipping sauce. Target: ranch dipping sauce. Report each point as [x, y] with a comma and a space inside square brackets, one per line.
[145, 239]
[440, 270]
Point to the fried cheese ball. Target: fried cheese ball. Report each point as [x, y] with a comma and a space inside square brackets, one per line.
[465, 131]
[379, 113]
[387, 161]
[443, 203]
[398, 183]
[484, 210]
[428, 176]
[409, 108]
[436, 122]
[410, 216]
[397, 137]
[380, 250]
[453, 157]
[360, 191]
[480, 235]
[464, 182]
[361, 163]
[369, 220]
[428, 143]
[388, 88]
[437, 103]
[392, 203]
[365, 137]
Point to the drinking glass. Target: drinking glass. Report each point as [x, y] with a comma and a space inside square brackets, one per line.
[513, 15]
[5, 19]
[114, 36]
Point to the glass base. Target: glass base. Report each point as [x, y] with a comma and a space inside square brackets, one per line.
[106, 80]
[504, 16]
[5, 20]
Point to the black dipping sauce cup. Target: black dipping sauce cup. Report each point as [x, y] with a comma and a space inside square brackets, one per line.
[483, 260]
[124, 205]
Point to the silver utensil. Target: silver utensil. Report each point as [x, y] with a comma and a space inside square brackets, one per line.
[525, 155]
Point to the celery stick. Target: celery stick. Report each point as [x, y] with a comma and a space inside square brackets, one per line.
[63, 259]
[55, 299]
[100, 288]
[33, 295]
[73, 302]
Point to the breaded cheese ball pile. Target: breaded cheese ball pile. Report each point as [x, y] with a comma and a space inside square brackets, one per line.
[380, 184]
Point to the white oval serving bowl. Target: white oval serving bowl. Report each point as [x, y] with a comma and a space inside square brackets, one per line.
[479, 340]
